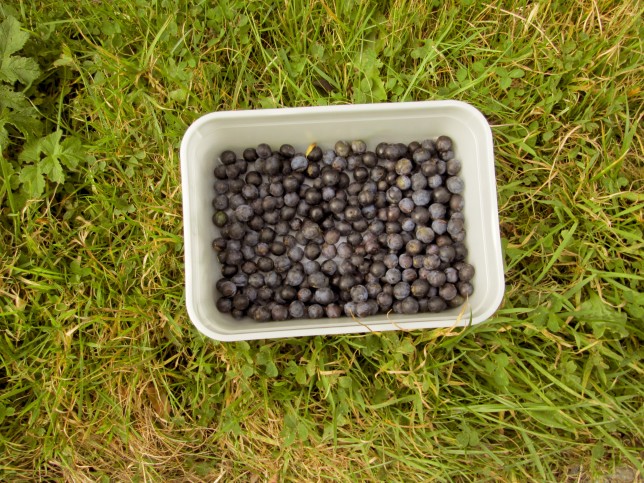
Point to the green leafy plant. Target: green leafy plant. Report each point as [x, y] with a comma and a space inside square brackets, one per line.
[47, 156]
[13, 67]
[15, 108]
[28, 159]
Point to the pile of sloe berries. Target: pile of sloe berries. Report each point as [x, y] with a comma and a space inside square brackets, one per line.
[342, 231]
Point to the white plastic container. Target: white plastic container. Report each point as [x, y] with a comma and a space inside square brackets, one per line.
[207, 137]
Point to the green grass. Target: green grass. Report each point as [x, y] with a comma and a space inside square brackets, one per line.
[103, 377]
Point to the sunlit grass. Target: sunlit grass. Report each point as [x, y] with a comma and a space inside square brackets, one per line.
[102, 375]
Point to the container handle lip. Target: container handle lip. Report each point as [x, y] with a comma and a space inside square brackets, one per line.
[286, 111]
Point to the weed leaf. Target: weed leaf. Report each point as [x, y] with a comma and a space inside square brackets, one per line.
[13, 68]
[32, 180]
[601, 317]
[12, 39]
